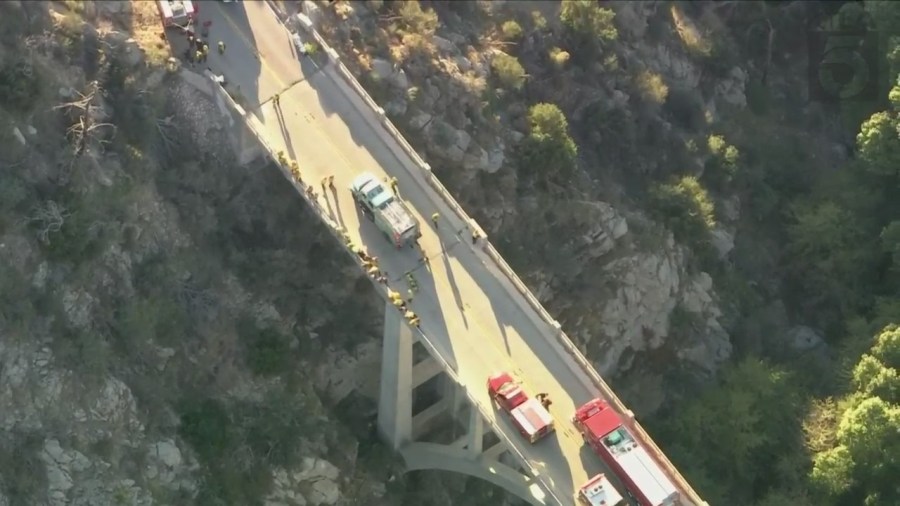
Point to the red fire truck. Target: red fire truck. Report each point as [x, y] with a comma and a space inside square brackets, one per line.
[644, 480]
[177, 13]
[528, 415]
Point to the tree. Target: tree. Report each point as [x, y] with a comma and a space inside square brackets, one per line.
[740, 428]
[549, 147]
[879, 145]
[417, 21]
[720, 168]
[861, 464]
[685, 207]
[511, 30]
[652, 87]
[829, 251]
[508, 71]
[588, 21]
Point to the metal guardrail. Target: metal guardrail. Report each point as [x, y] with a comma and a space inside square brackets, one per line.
[520, 288]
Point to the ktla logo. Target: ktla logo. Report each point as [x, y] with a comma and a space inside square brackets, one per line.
[843, 65]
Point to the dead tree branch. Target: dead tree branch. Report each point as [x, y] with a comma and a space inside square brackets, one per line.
[48, 218]
[84, 110]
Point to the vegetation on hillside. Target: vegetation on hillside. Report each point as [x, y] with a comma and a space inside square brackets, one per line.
[794, 429]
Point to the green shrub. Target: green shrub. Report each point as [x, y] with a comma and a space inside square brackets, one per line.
[685, 207]
[508, 70]
[20, 85]
[207, 426]
[559, 57]
[268, 351]
[589, 21]
[548, 147]
[538, 19]
[24, 474]
[652, 87]
[758, 97]
[511, 30]
[415, 20]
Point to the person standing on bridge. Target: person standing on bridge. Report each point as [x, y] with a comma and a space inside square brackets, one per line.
[394, 185]
[411, 281]
[434, 219]
[276, 100]
[198, 56]
[331, 182]
[544, 399]
[221, 47]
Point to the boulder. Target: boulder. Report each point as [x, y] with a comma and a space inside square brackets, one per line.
[722, 241]
[18, 135]
[400, 80]
[382, 69]
[444, 45]
[803, 338]
[420, 120]
[395, 107]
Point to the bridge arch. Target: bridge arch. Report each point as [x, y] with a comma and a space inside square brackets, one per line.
[437, 457]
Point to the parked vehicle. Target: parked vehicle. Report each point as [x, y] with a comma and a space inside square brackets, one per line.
[387, 211]
[605, 431]
[598, 491]
[177, 13]
[531, 419]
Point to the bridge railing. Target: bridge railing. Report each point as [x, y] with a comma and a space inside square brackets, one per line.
[519, 287]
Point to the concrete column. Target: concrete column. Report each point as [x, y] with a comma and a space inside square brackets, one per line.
[456, 399]
[395, 398]
[476, 431]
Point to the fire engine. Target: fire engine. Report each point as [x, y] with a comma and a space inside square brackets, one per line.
[598, 491]
[177, 13]
[644, 480]
[529, 416]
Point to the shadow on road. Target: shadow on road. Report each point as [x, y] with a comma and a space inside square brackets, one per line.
[240, 64]
[285, 133]
[445, 247]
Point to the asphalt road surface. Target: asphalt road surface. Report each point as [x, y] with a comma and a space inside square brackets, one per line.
[465, 312]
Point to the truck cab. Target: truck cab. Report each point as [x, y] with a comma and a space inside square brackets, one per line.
[384, 209]
[598, 491]
[530, 418]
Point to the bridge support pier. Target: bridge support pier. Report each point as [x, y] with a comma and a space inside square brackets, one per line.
[395, 397]
[403, 429]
